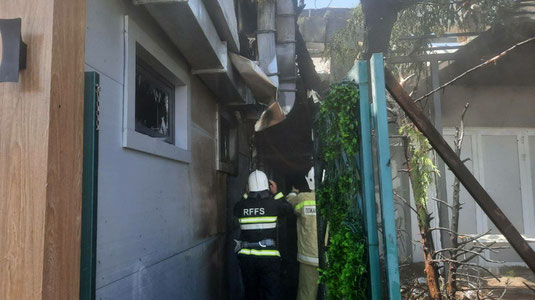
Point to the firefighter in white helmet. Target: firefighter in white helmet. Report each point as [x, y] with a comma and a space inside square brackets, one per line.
[307, 239]
[257, 249]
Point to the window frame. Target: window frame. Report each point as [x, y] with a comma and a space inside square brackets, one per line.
[154, 52]
[229, 166]
[155, 76]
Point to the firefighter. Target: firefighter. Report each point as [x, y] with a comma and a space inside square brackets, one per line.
[287, 234]
[257, 249]
[307, 239]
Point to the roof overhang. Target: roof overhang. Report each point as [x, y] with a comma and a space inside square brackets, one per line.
[189, 26]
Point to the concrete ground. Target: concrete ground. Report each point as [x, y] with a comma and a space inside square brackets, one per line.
[414, 284]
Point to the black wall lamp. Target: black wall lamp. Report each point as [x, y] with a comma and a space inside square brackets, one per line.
[13, 58]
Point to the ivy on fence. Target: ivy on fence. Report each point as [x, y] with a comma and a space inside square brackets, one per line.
[345, 271]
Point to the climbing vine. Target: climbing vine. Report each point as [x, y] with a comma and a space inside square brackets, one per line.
[422, 167]
[345, 272]
[421, 171]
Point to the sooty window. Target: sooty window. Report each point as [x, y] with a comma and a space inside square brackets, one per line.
[155, 102]
[227, 142]
[224, 141]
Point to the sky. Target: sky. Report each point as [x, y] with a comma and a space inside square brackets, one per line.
[311, 4]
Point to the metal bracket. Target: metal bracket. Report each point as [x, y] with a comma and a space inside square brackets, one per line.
[13, 50]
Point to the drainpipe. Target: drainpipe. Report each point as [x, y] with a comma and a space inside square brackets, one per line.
[276, 55]
[285, 40]
[265, 38]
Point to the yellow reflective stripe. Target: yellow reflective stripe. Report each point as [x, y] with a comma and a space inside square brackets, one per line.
[305, 203]
[279, 196]
[256, 226]
[245, 196]
[258, 220]
[258, 252]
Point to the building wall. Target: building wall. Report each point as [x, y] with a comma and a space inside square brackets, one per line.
[161, 222]
[490, 106]
[498, 139]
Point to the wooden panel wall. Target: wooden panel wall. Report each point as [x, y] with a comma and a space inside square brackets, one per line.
[41, 120]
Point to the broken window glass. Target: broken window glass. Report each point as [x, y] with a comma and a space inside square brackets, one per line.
[154, 103]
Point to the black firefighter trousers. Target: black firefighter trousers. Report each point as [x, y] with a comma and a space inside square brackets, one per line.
[261, 276]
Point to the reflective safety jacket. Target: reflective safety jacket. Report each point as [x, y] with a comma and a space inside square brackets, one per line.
[258, 215]
[307, 237]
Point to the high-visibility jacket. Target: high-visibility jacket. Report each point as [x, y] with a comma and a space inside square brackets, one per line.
[307, 237]
[258, 215]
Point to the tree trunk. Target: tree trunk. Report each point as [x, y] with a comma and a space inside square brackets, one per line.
[379, 19]
[431, 270]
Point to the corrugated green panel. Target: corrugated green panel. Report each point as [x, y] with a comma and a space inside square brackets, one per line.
[89, 188]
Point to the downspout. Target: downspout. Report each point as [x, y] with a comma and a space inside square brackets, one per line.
[265, 39]
[276, 54]
[285, 20]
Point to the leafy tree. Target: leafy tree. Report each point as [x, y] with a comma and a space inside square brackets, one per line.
[378, 25]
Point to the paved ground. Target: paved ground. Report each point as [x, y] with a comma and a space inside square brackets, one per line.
[414, 285]
[515, 278]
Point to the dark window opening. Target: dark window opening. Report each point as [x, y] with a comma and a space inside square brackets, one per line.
[224, 141]
[155, 99]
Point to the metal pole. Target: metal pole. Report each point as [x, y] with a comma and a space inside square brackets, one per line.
[440, 180]
[385, 175]
[360, 75]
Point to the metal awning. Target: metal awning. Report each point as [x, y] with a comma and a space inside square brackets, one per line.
[264, 90]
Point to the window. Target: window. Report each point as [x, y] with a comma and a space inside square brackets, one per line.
[155, 99]
[156, 118]
[227, 142]
[224, 141]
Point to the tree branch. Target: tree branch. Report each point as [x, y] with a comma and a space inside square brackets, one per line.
[492, 60]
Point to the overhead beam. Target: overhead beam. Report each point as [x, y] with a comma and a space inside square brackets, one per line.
[421, 58]
[189, 26]
[226, 84]
[224, 18]
[433, 36]
[458, 168]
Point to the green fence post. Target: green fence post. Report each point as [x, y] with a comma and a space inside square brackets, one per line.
[359, 73]
[385, 175]
[89, 188]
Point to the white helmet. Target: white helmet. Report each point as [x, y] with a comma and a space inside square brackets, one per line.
[258, 182]
[310, 179]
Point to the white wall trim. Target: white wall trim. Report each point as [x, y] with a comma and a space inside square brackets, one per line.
[526, 186]
[180, 151]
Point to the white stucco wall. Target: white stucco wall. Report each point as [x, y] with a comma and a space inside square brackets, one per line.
[500, 126]
[490, 106]
[160, 222]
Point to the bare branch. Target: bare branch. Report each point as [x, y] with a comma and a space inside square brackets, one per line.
[406, 202]
[442, 201]
[469, 264]
[492, 60]
[532, 288]
[474, 238]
